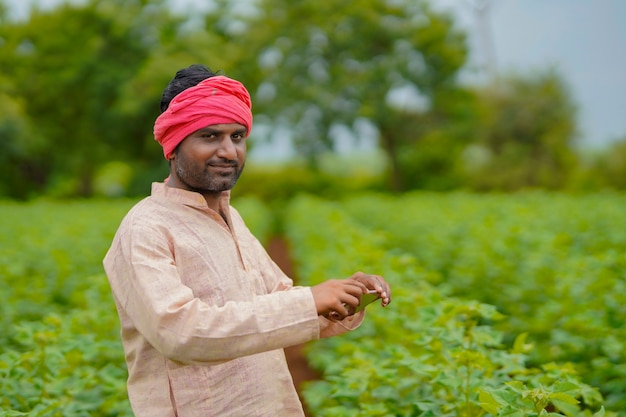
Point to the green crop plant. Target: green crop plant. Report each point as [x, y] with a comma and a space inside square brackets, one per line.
[427, 354]
[503, 305]
[553, 263]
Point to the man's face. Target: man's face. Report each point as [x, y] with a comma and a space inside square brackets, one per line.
[211, 159]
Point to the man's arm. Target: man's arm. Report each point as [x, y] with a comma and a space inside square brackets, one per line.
[145, 281]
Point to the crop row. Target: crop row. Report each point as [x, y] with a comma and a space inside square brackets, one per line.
[443, 348]
[429, 353]
[554, 264]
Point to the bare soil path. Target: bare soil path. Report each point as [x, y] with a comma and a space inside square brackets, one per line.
[298, 365]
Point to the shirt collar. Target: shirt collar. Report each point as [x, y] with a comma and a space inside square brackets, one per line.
[185, 197]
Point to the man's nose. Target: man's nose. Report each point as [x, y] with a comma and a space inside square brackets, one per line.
[227, 149]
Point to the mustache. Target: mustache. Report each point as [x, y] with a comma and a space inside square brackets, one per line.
[223, 163]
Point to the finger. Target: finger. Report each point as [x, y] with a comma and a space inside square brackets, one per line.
[377, 282]
[383, 289]
[355, 287]
[342, 310]
[351, 300]
[334, 316]
[367, 281]
[386, 295]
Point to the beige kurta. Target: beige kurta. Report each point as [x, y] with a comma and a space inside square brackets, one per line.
[205, 312]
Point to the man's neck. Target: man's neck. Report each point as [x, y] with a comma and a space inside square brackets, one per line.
[212, 198]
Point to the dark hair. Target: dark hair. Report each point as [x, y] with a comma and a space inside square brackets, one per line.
[184, 78]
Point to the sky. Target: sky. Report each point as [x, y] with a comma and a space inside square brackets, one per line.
[584, 40]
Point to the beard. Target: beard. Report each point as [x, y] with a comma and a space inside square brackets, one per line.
[203, 178]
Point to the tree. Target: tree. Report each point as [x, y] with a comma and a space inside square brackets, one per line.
[88, 79]
[319, 65]
[19, 173]
[525, 133]
[606, 168]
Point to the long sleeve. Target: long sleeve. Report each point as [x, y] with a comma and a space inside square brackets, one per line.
[147, 284]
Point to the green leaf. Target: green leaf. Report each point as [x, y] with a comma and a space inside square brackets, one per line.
[520, 345]
[566, 398]
[488, 402]
[600, 413]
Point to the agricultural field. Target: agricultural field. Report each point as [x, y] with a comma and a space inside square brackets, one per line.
[504, 305]
[499, 301]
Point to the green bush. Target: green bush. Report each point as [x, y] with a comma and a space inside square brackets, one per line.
[553, 263]
[61, 354]
[434, 352]
[427, 354]
[69, 364]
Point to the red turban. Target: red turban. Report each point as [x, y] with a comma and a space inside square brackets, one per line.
[215, 100]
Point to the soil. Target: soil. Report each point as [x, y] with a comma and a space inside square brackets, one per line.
[298, 365]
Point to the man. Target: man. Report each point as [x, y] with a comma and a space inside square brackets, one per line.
[204, 312]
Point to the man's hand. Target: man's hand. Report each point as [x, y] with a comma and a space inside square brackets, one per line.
[374, 282]
[338, 296]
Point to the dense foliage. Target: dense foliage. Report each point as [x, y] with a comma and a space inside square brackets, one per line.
[558, 278]
[525, 131]
[390, 65]
[554, 264]
[60, 352]
[503, 306]
[80, 85]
